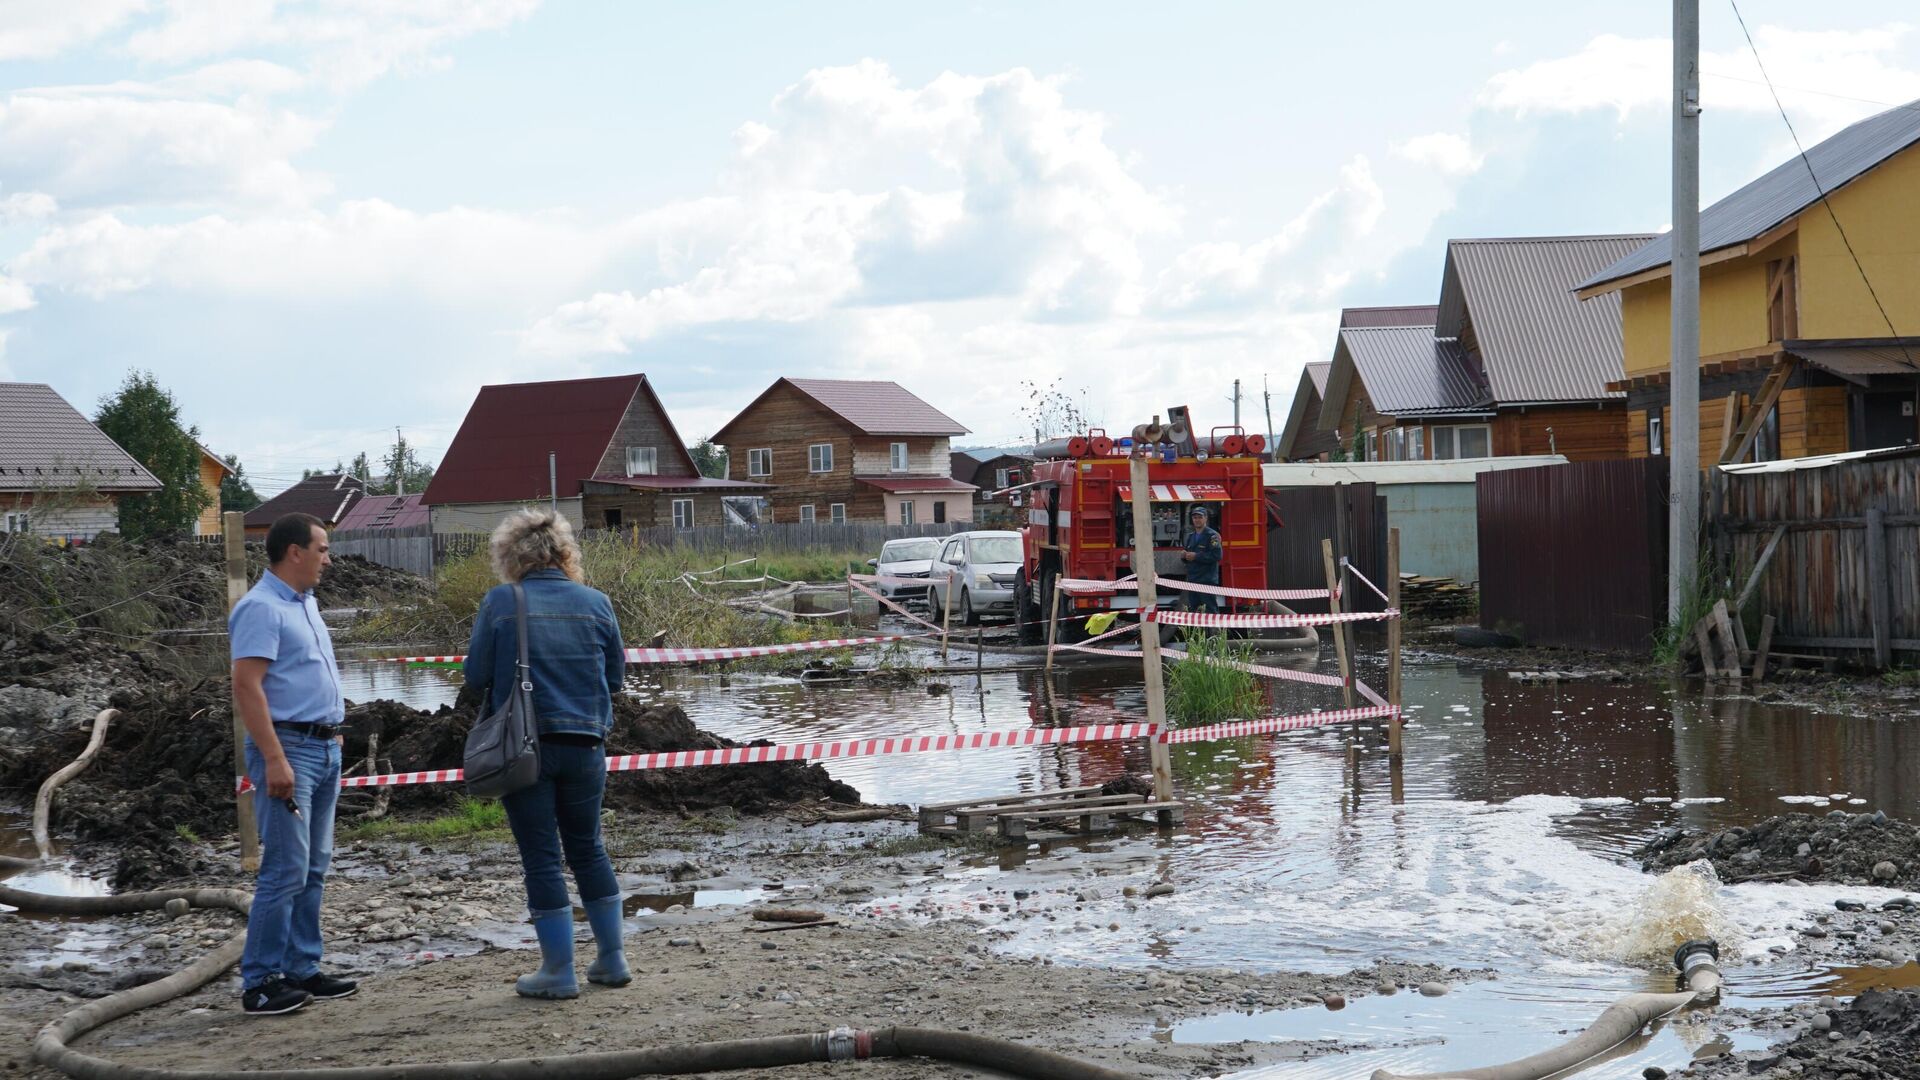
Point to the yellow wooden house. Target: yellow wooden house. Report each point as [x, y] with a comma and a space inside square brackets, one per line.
[1809, 306]
[212, 471]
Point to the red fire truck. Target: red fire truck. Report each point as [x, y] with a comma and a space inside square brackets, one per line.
[1080, 516]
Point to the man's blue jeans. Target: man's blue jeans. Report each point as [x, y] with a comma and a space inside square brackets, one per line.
[560, 815]
[283, 929]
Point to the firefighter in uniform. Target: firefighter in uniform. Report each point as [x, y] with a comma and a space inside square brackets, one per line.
[1202, 557]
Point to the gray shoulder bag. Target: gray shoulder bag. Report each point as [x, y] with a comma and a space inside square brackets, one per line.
[503, 748]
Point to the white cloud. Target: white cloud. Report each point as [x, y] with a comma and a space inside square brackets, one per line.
[40, 28]
[1444, 152]
[15, 295]
[27, 206]
[1816, 71]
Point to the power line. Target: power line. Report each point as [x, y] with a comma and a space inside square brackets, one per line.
[1906, 356]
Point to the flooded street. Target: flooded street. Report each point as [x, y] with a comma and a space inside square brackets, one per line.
[1508, 851]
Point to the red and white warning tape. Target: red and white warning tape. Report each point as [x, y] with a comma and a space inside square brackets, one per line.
[1132, 584]
[689, 656]
[1288, 674]
[1207, 618]
[1237, 728]
[895, 607]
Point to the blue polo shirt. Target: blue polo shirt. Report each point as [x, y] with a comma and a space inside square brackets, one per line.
[283, 627]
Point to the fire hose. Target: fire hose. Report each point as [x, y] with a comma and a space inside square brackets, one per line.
[1697, 962]
[53, 1045]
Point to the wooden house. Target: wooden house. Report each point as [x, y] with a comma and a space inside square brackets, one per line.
[990, 469]
[1301, 439]
[60, 476]
[1809, 306]
[845, 450]
[1512, 365]
[213, 469]
[602, 450]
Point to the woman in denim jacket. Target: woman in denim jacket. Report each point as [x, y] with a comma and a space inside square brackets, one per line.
[578, 663]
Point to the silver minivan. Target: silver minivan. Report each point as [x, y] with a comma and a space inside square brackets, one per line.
[980, 569]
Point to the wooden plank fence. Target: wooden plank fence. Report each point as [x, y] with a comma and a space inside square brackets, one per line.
[408, 548]
[1843, 577]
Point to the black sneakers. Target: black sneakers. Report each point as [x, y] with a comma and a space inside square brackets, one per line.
[273, 997]
[325, 987]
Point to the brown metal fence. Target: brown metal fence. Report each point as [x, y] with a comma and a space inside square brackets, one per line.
[1844, 578]
[1575, 555]
[1345, 513]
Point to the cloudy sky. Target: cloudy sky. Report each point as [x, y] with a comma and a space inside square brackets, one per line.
[317, 219]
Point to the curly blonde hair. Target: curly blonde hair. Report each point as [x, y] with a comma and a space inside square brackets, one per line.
[529, 540]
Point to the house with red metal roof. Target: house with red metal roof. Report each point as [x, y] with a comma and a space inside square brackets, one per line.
[381, 512]
[848, 450]
[603, 450]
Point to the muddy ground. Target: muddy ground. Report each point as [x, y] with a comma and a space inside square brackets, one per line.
[1836, 847]
[438, 935]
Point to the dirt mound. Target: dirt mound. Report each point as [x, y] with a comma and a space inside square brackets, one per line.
[1878, 1039]
[1851, 849]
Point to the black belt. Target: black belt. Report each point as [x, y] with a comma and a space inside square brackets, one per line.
[312, 731]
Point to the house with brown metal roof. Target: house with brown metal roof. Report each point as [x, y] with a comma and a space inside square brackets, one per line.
[848, 450]
[604, 451]
[60, 476]
[1301, 439]
[329, 497]
[1512, 364]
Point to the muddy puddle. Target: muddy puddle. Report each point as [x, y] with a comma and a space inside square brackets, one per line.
[1508, 849]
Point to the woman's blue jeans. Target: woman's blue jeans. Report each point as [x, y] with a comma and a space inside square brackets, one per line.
[558, 819]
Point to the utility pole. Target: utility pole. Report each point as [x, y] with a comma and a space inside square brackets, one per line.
[1266, 398]
[1683, 523]
[553, 482]
[399, 462]
[1236, 403]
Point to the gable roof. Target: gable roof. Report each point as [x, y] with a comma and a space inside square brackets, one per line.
[1406, 371]
[1308, 395]
[869, 407]
[45, 442]
[1396, 315]
[328, 497]
[384, 512]
[225, 469]
[1537, 341]
[1782, 193]
[500, 452]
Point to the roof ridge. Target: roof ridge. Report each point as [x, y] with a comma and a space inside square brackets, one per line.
[564, 382]
[1569, 238]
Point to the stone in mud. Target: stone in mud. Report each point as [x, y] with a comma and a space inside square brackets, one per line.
[1434, 989]
[1161, 889]
[1885, 871]
[178, 906]
[1840, 847]
[1335, 1002]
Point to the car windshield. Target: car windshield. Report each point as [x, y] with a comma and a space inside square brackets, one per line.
[911, 551]
[996, 549]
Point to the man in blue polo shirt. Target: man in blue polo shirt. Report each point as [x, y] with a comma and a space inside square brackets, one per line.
[286, 689]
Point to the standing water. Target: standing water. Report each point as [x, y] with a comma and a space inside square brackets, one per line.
[1508, 851]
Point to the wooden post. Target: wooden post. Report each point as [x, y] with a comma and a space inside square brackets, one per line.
[233, 526]
[1393, 643]
[946, 617]
[1333, 607]
[979, 655]
[1879, 588]
[1053, 622]
[1759, 567]
[1157, 755]
[1760, 655]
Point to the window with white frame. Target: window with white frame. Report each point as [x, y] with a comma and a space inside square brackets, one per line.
[760, 462]
[14, 521]
[1396, 445]
[837, 513]
[1656, 434]
[1474, 441]
[1000, 477]
[642, 461]
[806, 514]
[820, 457]
[906, 512]
[1443, 444]
[897, 457]
[683, 513]
[1416, 444]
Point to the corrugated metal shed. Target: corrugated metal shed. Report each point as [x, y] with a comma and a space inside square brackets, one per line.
[1394, 315]
[46, 443]
[1537, 341]
[1407, 372]
[1783, 192]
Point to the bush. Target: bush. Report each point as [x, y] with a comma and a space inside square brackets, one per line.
[1203, 689]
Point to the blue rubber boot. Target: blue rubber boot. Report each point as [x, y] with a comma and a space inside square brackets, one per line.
[555, 979]
[609, 968]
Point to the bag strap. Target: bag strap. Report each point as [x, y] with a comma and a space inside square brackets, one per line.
[520, 631]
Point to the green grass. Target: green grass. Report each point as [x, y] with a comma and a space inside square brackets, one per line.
[471, 818]
[186, 833]
[645, 586]
[1202, 689]
[1902, 677]
[1670, 641]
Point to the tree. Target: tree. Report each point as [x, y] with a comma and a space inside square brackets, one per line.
[400, 462]
[236, 491]
[1051, 412]
[711, 460]
[362, 468]
[145, 420]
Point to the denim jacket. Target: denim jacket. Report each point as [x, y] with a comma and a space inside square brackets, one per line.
[573, 648]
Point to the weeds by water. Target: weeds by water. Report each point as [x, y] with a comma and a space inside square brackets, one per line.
[1697, 600]
[649, 594]
[471, 818]
[1203, 689]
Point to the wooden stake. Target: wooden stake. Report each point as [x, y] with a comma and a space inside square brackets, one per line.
[233, 527]
[1759, 567]
[1143, 570]
[1393, 643]
[1879, 588]
[1766, 643]
[946, 616]
[1333, 607]
[1053, 622]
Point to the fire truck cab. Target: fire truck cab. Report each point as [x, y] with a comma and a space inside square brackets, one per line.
[1080, 517]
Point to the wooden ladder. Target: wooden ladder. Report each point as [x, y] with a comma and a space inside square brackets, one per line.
[1756, 413]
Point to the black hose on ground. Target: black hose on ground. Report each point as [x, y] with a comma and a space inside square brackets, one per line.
[52, 1047]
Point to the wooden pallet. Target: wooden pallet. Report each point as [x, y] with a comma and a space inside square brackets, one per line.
[1068, 812]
